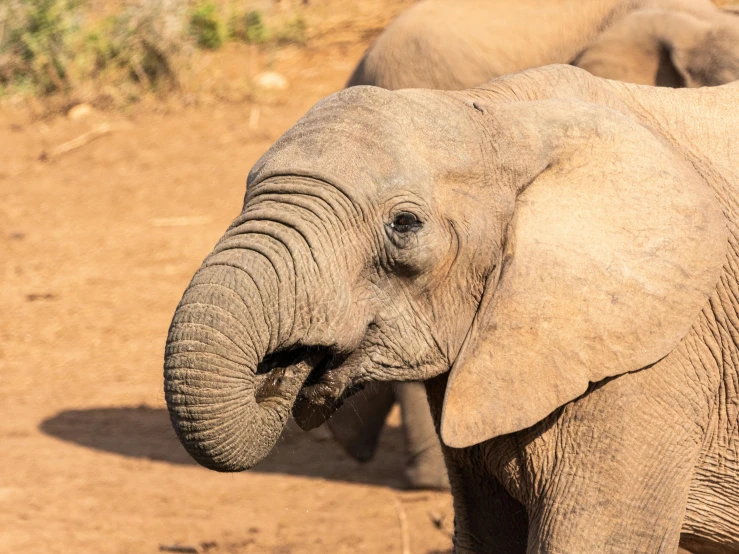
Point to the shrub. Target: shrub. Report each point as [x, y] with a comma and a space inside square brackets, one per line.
[293, 31]
[47, 46]
[254, 29]
[150, 39]
[37, 43]
[207, 26]
[45, 49]
[249, 27]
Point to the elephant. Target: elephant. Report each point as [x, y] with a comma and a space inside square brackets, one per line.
[443, 45]
[447, 45]
[554, 254]
[358, 423]
[671, 48]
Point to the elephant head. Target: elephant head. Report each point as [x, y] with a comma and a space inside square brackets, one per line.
[531, 246]
[668, 48]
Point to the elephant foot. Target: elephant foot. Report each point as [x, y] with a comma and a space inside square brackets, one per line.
[427, 471]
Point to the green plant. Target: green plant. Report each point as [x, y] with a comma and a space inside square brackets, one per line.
[249, 27]
[293, 31]
[44, 48]
[254, 29]
[37, 43]
[207, 26]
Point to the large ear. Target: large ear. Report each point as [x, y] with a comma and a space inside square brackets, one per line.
[706, 58]
[613, 250]
[651, 47]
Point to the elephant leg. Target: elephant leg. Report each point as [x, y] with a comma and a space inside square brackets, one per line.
[358, 423]
[487, 519]
[425, 468]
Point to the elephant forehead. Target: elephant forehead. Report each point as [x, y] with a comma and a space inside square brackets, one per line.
[372, 139]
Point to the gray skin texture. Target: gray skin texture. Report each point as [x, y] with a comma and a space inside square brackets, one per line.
[608, 209]
[453, 45]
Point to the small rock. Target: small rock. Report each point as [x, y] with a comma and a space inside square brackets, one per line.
[80, 111]
[270, 80]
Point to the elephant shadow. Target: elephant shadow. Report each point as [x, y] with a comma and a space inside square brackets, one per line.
[146, 432]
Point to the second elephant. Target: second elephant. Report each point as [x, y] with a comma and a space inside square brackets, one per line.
[440, 44]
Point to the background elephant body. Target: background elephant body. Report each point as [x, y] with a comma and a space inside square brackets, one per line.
[664, 46]
[358, 423]
[447, 45]
[576, 269]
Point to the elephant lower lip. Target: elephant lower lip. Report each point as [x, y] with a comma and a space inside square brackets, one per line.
[309, 416]
[314, 405]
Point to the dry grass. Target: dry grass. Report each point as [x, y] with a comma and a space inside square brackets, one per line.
[60, 52]
[65, 51]
[51, 48]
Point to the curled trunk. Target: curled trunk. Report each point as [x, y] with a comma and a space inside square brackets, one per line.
[228, 406]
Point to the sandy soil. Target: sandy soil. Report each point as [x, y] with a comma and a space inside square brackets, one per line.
[96, 247]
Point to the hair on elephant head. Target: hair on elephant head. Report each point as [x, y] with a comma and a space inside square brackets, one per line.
[667, 47]
[535, 246]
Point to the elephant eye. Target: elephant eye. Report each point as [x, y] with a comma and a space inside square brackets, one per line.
[406, 222]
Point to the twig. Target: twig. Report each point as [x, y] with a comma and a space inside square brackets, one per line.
[181, 548]
[77, 142]
[405, 540]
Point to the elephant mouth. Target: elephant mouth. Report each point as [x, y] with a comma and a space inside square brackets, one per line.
[326, 384]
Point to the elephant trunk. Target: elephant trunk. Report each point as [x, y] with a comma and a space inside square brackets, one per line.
[228, 395]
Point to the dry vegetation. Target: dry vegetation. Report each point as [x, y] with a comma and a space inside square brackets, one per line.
[57, 53]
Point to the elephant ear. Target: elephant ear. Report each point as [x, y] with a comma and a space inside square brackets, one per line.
[654, 47]
[612, 252]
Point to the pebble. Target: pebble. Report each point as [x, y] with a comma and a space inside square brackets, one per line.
[270, 80]
[80, 111]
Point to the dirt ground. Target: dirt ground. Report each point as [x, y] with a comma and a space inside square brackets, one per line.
[97, 245]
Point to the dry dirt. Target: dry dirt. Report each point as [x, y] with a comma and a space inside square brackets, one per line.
[96, 247]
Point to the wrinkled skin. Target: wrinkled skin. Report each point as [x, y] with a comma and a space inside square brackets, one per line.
[566, 245]
[447, 45]
[452, 45]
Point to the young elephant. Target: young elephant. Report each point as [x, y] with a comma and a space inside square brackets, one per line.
[565, 244]
[453, 45]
